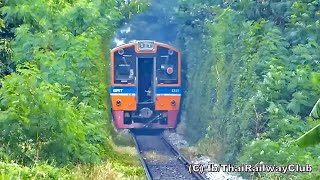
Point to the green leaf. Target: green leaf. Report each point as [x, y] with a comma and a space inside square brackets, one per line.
[310, 138]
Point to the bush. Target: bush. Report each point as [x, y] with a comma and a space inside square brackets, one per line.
[40, 171]
[38, 124]
[284, 152]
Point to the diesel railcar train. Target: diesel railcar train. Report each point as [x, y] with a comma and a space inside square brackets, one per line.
[145, 87]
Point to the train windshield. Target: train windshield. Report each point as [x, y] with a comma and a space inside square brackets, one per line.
[124, 70]
[167, 70]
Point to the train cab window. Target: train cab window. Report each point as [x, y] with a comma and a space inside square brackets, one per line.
[167, 70]
[124, 72]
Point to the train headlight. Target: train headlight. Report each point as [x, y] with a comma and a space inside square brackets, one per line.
[141, 45]
[146, 45]
[150, 45]
[173, 102]
[118, 102]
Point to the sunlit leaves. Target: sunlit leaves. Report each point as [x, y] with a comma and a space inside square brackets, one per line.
[54, 107]
[38, 171]
[128, 8]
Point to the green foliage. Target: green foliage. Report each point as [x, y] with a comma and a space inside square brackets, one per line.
[131, 7]
[311, 137]
[6, 65]
[252, 78]
[55, 108]
[284, 152]
[37, 124]
[112, 171]
[315, 113]
[41, 171]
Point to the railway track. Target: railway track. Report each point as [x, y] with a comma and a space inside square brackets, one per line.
[160, 159]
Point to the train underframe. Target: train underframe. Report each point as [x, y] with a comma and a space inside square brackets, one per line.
[141, 119]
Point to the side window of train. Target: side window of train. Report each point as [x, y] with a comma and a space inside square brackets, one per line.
[124, 70]
[167, 70]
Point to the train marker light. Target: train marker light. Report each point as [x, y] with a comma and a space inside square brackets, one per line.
[121, 51]
[169, 70]
[173, 102]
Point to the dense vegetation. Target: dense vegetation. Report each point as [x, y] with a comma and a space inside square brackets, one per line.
[253, 79]
[54, 112]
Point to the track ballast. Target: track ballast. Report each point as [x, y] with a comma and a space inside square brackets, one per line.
[160, 159]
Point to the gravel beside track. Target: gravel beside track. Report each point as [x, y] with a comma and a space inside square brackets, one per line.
[178, 141]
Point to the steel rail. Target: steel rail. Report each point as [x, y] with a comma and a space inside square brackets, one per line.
[145, 167]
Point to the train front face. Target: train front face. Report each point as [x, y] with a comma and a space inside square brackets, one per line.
[145, 85]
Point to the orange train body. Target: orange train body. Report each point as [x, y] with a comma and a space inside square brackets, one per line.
[163, 103]
[128, 103]
[145, 85]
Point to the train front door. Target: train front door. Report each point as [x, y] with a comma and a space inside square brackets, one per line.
[146, 77]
